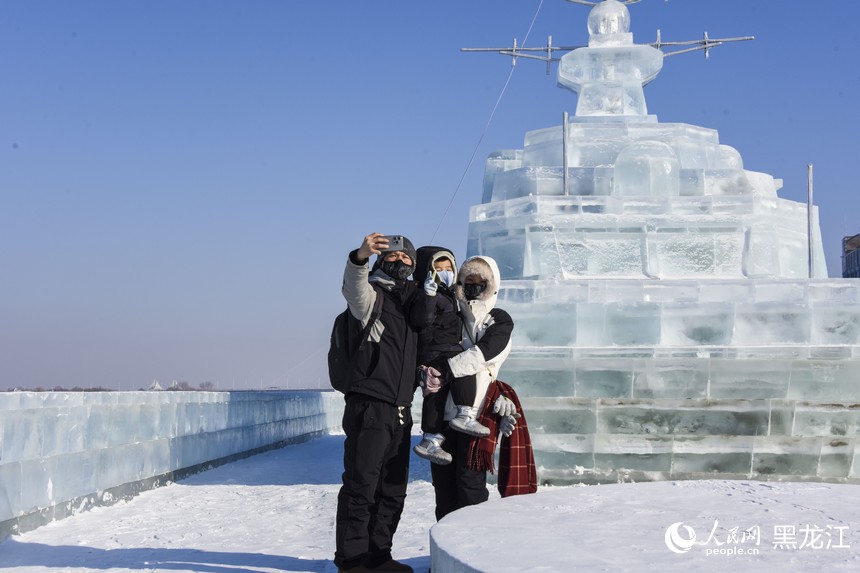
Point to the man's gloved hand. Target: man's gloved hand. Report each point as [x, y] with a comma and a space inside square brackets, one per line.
[429, 380]
[506, 427]
[430, 285]
[504, 406]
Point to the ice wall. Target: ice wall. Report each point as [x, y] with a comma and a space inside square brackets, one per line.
[63, 452]
[689, 318]
[602, 440]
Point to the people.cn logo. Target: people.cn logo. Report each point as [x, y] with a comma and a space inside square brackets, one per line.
[676, 542]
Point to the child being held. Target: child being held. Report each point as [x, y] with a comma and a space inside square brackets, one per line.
[435, 315]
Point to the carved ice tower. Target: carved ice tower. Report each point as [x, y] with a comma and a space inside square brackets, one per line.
[666, 325]
[609, 75]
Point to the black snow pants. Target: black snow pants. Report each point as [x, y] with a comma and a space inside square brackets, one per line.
[463, 392]
[457, 485]
[376, 471]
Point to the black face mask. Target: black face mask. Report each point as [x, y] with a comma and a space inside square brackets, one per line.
[398, 270]
[473, 291]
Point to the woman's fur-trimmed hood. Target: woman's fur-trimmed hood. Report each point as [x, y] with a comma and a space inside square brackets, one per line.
[487, 269]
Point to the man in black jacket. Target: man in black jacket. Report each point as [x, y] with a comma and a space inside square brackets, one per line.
[377, 415]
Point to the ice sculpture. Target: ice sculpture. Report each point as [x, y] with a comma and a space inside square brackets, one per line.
[610, 73]
[666, 323]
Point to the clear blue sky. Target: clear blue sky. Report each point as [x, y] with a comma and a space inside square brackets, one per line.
[180, 181]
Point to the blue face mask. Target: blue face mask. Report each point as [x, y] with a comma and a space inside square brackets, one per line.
[446, 278]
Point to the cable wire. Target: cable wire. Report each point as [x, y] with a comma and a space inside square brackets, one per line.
[465, 172]
[486, 127]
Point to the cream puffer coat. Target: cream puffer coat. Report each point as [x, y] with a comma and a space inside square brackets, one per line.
[486, 331]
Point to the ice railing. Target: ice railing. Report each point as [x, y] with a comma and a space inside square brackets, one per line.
[64, 452]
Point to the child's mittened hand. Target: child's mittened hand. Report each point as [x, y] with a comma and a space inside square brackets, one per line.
[430, 284]
[431, 379]
[434, 382]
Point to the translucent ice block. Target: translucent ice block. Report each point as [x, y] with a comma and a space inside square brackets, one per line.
[786, 456]
[647, 168]
[633, 324]
[696, 324]
[712, 454]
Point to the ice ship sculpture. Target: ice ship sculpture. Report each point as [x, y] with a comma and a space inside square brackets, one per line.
[667, 326]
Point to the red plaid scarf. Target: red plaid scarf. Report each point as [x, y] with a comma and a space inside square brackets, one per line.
[517, 472]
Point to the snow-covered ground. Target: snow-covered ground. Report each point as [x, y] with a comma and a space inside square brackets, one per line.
[275, 512]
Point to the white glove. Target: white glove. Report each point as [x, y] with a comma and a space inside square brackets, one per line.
[429, 380]
[504, 407]
[506, 427]
[430, 284]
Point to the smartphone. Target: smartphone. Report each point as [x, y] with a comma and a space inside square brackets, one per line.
[395, 243]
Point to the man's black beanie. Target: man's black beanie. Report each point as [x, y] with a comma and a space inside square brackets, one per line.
[408, 248]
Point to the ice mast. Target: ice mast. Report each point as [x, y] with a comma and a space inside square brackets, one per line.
[610, 73]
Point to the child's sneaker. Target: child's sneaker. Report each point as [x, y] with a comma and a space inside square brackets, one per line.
[465, 422]
[430, 448]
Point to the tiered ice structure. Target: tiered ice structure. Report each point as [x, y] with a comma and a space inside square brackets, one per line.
[666, 326]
